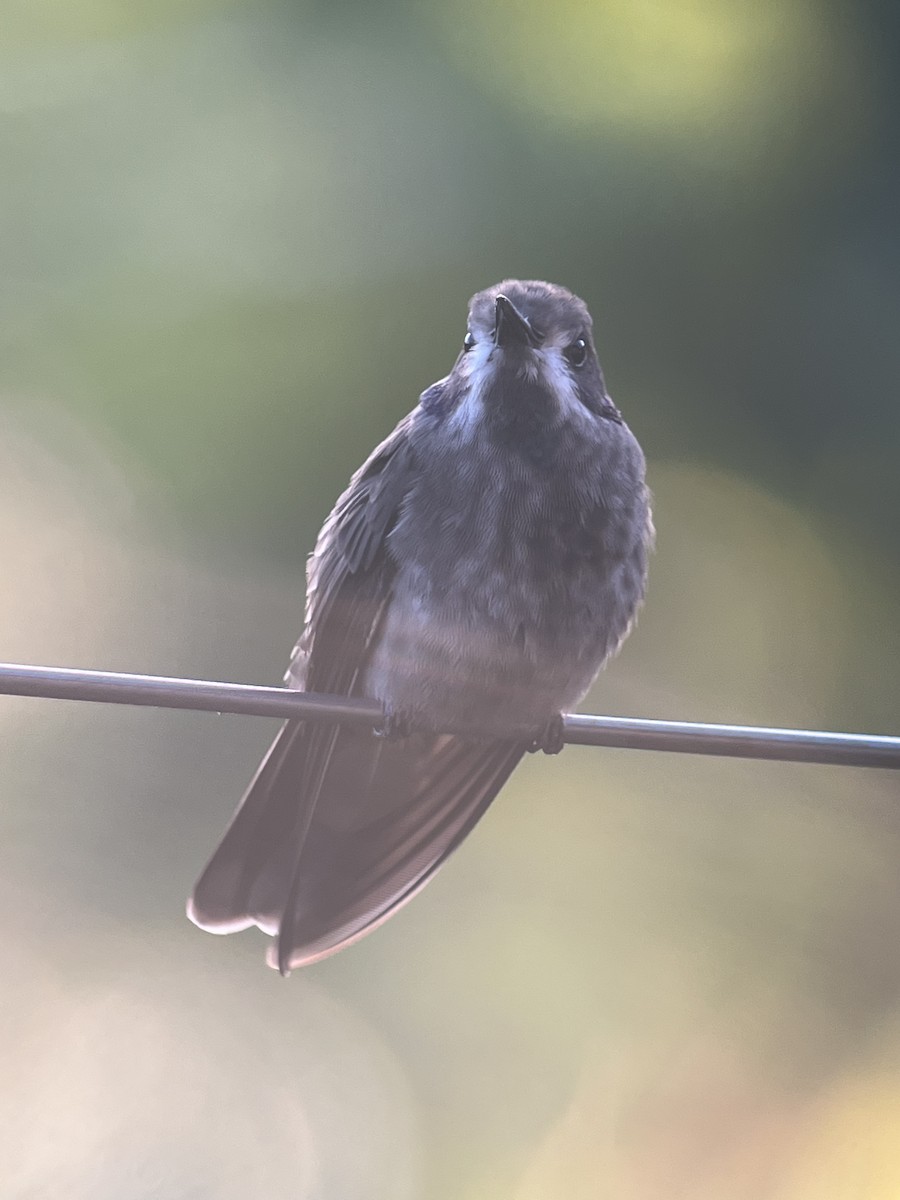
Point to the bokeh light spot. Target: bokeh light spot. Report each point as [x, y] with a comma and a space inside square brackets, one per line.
[694, 69]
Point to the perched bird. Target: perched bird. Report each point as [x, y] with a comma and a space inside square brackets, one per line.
[474, 577]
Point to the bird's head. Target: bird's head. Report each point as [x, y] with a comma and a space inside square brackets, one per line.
[528, 350]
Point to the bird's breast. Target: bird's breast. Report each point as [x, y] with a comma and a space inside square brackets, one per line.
[511, 589]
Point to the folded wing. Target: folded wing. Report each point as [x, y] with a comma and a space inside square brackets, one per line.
[339, 828]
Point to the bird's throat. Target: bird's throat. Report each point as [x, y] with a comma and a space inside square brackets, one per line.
[522, 418]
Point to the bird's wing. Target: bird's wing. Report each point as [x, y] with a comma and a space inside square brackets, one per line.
[340, 828]
[351, 571]
[349, 585]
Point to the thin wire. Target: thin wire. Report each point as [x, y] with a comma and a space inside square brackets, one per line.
[629, 733]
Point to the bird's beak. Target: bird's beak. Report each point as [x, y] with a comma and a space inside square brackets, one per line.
[510, 327]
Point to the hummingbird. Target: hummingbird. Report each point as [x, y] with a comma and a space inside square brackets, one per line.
[480, 568]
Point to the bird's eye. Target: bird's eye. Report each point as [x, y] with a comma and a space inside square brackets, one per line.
[576, 353]
[468, 342]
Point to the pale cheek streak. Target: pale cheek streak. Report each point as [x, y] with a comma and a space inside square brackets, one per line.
[477, 370]
[558, 379]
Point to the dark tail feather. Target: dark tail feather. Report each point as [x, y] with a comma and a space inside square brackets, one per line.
[338, 829]
[240, 885]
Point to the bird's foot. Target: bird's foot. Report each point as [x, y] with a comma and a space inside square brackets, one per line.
[394, 726]
[551, 738]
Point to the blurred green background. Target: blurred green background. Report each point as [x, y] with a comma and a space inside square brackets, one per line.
[237, 242]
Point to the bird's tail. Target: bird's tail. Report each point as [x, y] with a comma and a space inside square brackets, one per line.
[338, 829]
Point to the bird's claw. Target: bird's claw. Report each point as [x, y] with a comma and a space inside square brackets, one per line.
[551, 738]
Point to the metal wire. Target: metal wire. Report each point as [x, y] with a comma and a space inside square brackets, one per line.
[629, 733]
